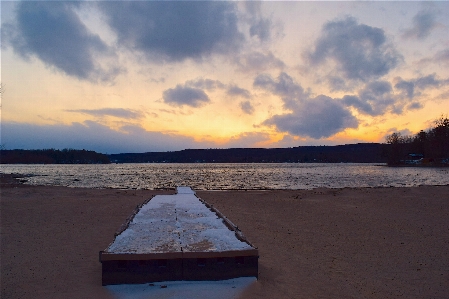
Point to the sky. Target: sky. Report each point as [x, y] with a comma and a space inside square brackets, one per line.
[141, 76]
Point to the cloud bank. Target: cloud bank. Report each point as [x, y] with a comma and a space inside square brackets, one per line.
[413, 87]
[173, 30]
[52, 32]
[159, 30]
[184, 95]
[93, 136]
[193, 93]
[317, 117]
[360, 52]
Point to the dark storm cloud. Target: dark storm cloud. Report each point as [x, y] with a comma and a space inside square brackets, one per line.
[93, 136]
[247, 107]
[423, 23]
[184, 95]
[174, 30]
[317, 117]
[360, 52]
[234, 90]
[116, 112]
[52, 32]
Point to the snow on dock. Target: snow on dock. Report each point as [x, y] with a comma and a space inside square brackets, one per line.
[178, 237]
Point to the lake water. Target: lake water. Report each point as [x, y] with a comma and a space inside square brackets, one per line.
[229, 176]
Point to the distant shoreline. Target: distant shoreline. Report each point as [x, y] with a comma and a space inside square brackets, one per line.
[348, 153]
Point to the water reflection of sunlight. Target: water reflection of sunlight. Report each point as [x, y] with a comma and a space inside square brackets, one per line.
[223, 176]
[223, 289]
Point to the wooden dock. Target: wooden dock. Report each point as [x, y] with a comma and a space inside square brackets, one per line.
[177, 237]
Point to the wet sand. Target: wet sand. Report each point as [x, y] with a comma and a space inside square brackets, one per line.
[323, 243]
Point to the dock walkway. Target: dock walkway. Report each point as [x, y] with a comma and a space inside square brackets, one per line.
[178, 237]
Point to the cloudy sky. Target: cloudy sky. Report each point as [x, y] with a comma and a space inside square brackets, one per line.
[160, 76]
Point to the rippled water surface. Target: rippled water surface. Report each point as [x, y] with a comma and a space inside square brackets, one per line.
[229, 176]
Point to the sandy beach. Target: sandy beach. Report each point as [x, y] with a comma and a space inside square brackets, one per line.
[322, 243]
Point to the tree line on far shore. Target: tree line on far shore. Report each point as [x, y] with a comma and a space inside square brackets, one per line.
[428, 147]
[52, 156]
